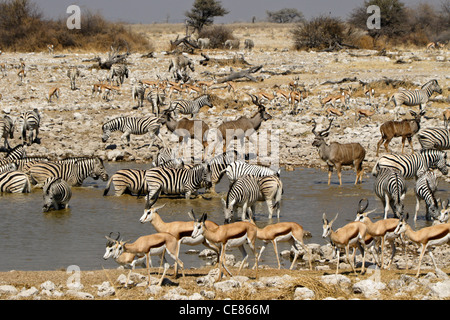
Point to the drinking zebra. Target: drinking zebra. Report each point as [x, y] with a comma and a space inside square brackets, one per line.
[31, 120]
[218, 165]
[176, 181]
[415, 97]
[413, 165]
[57, 194]
[73, 73]
[130, 181]
[390, 187]
[244, 192]
[239, 169]
[6, 130]
[133, 125]
[191, 107]
[434, 138]
[14, 182]
[426, 186]
[138, 93]
[72, 172]
[119, 71]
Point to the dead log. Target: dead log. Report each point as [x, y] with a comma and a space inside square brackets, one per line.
[234, 75]
[354, 79]
[186, 41]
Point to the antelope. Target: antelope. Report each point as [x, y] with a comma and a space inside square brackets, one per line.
[337, 154]
[181, 230]
[369, 92]
[53, 92]
[144, 244]
[265, 95]
[194, 129]
[435, 235]
[380, 230]
[205, 84]
[290, 232]
[340, 97]
[50, 48]
[151, 84]
[445, 212]
[446, 115]
[231, 87]
[229, 235]
[175, 88]
[359, 113]
[334, 111]
[349, 235]
[243, 127]
[405, 128]
[192, 89]
[127, 260]
[21, 74]
[435, 45]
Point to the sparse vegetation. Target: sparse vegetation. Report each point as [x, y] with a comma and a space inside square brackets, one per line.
[217, 35]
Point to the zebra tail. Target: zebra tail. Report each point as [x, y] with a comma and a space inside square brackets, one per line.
[108, 185]
[278, 197]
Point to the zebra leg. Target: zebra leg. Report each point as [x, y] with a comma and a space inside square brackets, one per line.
[126, 136]
[386, 204]
[270, 207]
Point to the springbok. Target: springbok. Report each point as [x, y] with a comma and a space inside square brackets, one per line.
[406, 129]
[336, 154]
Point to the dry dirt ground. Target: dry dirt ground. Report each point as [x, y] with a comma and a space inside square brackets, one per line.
[71, 125]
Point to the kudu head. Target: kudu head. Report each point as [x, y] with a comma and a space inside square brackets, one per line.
[321, 135]
[261, 108]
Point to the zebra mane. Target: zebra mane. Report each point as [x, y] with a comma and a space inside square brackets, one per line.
[48, 183]
[426, 85]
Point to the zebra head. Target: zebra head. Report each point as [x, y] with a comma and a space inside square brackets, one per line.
[228, 210]
[433, 86]
[106, 134]
[98, 170]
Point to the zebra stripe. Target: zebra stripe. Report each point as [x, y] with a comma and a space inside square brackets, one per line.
[14, 182]
[390, 187]
[119, 71]
[73, 73]
[132, 125]
[73, 173]
[31, 121]
[8, 166]
[128, 180]
[434, 138]
[271, 189]
[57, 194]
[244, 192]
[191, 107]
[413, 165]
[138, 93]
[176, 181]
[239, 169]
[6, 130]
[18, 152]
[156, 97]
[426, 186]
[218, 165]
[418, 96]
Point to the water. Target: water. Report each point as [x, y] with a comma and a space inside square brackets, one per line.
[32, 240]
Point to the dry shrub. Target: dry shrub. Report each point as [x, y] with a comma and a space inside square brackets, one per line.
[365, 42]
[217, 35]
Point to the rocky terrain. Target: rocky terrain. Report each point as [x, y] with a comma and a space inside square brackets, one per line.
[71, 126]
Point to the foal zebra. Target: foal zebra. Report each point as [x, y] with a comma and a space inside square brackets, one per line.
[57, 194]
[6, 130]
[416, 97]
[239, 169]
[132, 125]
[176, 181]
[244, 192]
[390, 187]
[413, 165]
[434, 138]
[426, 186]
[31, 120]
[72, 172]
[14, 182]
[191, 107]
[130, 181]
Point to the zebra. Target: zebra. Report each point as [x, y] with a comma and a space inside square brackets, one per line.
[57, 194]
[218, 165]
[203, 43]
[415, 97]
[7, 166]
[130, 181]
[238, 169]
[132, 125]
[6, 130]
[119, 71]
[179, 64]
[157, 98]
[73, 73]
[249, 44]
[244, 192]
[176, 181]
[390, 187]
[426, 186]
[434, 138]
[14, 182]
[30, 122]
[191, 107]
[138, 92]
[271, 189]
[74, 173]
[18, 152]
[413, 165]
